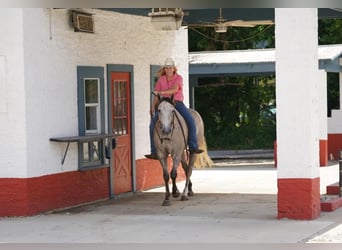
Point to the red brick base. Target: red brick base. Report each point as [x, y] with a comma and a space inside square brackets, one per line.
[334, 144]
[299, 198]
[29, 196]
[150, 174]
[323, 153]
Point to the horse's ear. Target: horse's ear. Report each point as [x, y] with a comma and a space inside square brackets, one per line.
[172, 98]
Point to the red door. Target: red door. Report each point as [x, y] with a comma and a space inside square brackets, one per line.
[121, 127]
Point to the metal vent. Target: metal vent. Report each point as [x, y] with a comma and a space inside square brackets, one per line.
[82, 22]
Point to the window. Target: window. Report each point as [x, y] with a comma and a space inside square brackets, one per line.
[91, 116]
[120, 108]
[92, 153]
[153, 79]
[92, 106]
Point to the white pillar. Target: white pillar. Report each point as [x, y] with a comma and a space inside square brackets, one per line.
[335, 126]
[297, 113]
[323, 117]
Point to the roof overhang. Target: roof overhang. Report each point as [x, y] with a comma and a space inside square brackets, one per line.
[197, 15]
[251, 62]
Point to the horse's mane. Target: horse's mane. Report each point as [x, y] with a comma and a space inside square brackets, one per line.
[167, 99]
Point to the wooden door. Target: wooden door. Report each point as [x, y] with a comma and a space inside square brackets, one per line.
[121, 127]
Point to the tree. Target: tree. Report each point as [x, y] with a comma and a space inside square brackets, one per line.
[246, 119]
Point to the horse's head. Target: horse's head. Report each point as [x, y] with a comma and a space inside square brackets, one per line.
[165, 111]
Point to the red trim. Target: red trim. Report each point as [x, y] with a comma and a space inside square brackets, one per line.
[299, 198]
[323, 153]
[24, 197]
[150, 174]
[334, 144]
[275, 153]
[30, 196]
[333, 189]
[331, 204]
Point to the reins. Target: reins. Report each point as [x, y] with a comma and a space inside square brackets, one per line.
[180, 124]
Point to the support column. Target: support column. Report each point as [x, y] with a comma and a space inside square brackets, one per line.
[335, 126]
[323, 118]
[193, 82]
[297, 113]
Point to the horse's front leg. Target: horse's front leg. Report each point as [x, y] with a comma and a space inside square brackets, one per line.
[188, 184]
[166, 177]
[175, 191]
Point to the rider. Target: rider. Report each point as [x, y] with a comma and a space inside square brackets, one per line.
[171, 83]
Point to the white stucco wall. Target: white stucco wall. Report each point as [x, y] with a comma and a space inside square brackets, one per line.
[12, 113]
[323, 103]
[48, 83]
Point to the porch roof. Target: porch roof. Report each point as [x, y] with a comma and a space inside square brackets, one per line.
[254, 61]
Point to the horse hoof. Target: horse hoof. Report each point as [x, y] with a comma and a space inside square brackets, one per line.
[175, 194]
[166, 203]
[191, 193]
[184, 198]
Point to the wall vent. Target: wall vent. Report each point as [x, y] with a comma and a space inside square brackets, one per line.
[82, 22]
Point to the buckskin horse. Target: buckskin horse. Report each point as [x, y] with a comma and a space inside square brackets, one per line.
[170, 137]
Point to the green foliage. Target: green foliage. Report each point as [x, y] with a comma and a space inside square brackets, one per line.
[236, 38]
[329, 31]
[333, 92]
[243, 116]
[238, 117]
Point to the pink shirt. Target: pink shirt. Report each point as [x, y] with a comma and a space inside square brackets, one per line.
[164, 84]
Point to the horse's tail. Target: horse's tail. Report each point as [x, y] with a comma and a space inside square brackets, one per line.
[203, 160]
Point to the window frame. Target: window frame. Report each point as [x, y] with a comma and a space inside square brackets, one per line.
[90, 73]
[93, 104]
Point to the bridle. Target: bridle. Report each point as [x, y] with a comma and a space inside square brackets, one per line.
[174, 114]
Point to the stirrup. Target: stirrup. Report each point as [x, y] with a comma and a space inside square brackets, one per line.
[151, 156]
[196, 151]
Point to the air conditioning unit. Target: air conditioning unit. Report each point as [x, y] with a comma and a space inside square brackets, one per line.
[166, 18]
[82, 22]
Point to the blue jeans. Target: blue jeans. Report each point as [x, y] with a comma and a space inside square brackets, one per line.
[184, 111]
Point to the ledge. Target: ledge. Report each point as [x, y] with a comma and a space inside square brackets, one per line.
[81, 138]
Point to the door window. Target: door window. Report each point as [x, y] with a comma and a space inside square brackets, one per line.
[120, 117]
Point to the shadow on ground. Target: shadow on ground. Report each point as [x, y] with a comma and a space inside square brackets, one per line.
[246, 206]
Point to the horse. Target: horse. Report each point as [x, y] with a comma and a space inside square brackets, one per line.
[170, 137]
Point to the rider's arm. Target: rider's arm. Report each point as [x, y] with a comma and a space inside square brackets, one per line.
[154, 103]
[174, 88]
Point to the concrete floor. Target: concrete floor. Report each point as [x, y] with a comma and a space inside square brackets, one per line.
[234, 202]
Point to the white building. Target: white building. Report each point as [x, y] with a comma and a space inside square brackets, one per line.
[58, 86]
[45, 70]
